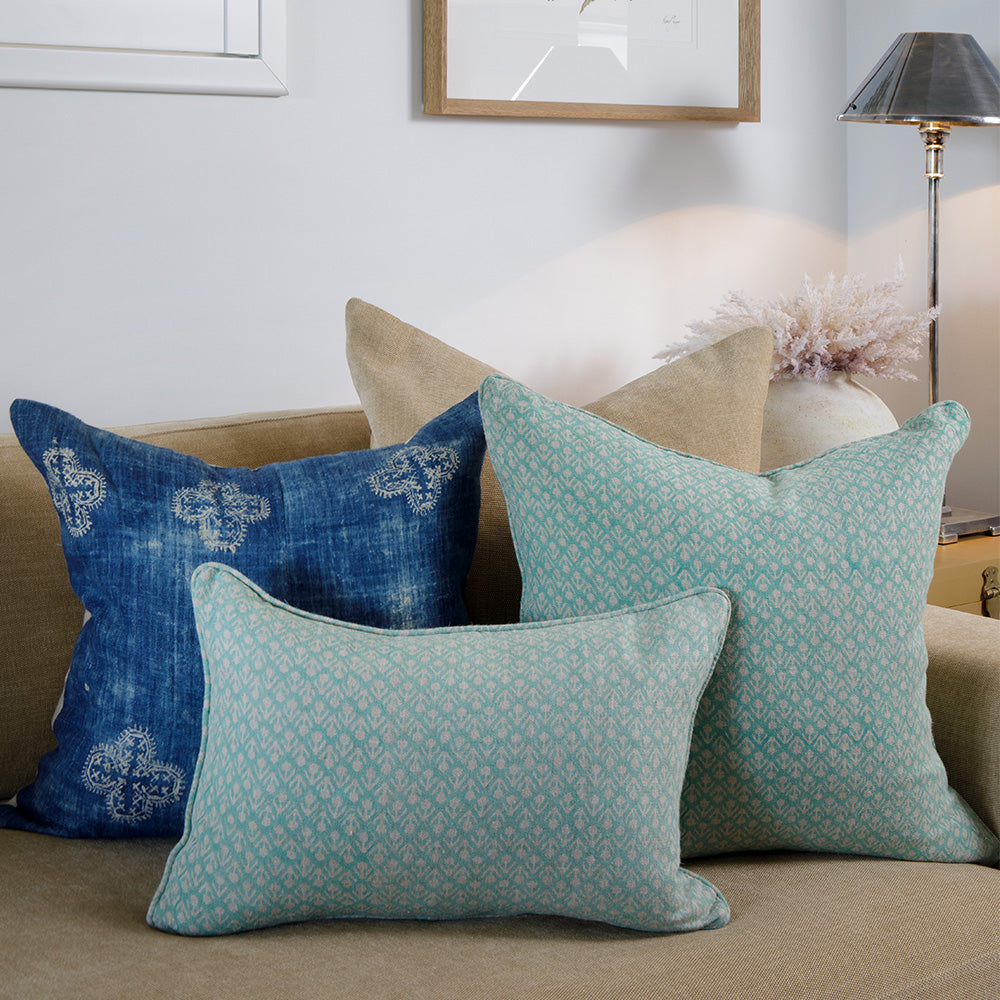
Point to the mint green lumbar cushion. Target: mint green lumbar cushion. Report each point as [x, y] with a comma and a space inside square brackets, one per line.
[813, 733]
[349, 771]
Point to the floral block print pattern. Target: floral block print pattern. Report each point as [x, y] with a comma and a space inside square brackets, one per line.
[418, 473]
[813, 733]
[347, 771]
[131, 779]
[75, 491]
[138, 519]
[222, 512]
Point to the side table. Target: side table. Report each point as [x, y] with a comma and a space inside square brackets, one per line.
[962, 578]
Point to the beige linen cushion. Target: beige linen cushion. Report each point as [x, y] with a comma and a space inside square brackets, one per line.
[710, 403]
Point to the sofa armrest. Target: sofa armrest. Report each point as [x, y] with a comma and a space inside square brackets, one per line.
[963, 695]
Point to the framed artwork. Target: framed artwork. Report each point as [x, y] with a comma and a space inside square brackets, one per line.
[694, 60]
[162, 46]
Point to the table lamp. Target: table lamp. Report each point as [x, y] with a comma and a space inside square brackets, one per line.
[934, 80]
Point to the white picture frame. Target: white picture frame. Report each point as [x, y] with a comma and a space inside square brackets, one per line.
[250, 60]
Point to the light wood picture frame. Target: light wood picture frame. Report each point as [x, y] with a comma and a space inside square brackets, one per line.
[680, 60]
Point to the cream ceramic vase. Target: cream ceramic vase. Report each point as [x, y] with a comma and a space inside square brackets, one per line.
[803, 418]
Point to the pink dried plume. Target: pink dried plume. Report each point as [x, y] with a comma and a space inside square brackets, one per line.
[839, 326]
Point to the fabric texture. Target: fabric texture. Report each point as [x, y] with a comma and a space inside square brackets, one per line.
[347, 771]
[813, 733]
[384, 537]
[41, 622]
[963, 695]
[710, 403]
[803, 927]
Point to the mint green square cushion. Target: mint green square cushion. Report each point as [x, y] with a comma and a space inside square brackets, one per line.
[813, 733]
[348, 771]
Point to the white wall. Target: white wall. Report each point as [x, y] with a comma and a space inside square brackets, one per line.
[887, 211]
[171, 256]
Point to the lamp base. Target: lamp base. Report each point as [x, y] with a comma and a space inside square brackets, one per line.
[956, 521]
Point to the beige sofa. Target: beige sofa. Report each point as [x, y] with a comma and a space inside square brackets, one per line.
[72, 912]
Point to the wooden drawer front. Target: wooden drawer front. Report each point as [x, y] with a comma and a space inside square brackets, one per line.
[958, 573]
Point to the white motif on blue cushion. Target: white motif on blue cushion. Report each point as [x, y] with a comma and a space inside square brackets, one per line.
[130, 777]
[222, 512]
[417, 472]
[76, 491]
[137, 660]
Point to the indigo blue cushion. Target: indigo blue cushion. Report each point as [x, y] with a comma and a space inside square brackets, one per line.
[347, 771]
[814, 733]
[383, 537]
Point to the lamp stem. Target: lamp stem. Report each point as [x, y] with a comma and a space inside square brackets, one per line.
[934, 135]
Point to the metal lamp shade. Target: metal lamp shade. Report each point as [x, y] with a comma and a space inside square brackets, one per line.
[929, 76]
[934, 80]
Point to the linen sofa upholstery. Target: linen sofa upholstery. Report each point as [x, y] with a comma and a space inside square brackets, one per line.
[803, 925]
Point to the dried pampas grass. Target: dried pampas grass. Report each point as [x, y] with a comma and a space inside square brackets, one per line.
[842, 325]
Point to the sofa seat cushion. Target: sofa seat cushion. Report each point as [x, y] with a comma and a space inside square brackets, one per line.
[803, 926]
